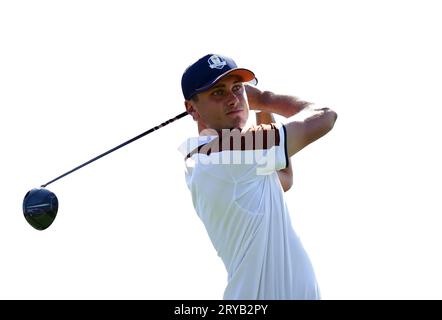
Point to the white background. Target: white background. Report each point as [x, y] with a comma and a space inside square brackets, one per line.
[79, 77]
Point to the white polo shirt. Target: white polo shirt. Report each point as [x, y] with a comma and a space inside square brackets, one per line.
[237, 195]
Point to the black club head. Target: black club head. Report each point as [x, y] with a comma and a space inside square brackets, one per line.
[40, 208]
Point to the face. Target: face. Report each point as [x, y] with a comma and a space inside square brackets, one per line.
[223, 106]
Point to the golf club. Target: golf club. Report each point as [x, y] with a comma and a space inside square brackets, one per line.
[40, 205]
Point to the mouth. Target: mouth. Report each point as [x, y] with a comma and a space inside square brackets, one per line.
[233, 112]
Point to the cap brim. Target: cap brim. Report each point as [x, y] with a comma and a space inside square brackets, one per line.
[244, 74]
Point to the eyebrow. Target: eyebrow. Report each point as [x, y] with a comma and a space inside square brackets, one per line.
[222, 85]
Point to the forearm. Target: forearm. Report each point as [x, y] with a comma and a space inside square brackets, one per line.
[270, 102]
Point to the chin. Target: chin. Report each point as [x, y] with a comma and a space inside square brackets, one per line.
[239, 121]
[239, 124]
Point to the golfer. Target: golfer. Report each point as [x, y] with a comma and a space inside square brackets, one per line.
[237, 174]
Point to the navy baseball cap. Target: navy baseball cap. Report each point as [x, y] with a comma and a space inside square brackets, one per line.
[208, 70]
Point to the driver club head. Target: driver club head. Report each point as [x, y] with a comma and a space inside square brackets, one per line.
[40, 208]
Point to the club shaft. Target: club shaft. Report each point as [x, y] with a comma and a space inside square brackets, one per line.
[117, 147]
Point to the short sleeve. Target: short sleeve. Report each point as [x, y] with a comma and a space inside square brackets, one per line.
[259, 150]
[273, 155]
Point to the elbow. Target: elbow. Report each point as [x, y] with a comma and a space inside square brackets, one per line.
[286, 187]
[286, 177]
[326, 122]
[286, 183]
[331, 117]
[335, 117]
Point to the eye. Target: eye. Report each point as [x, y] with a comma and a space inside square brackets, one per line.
[237, 87]
[218, 92]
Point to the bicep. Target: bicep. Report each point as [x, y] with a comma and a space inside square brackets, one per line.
[299, 134]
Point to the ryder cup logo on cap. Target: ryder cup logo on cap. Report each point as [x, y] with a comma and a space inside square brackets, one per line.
[216, 62]
[208, 70]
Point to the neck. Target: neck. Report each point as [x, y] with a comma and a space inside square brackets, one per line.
[201, 127]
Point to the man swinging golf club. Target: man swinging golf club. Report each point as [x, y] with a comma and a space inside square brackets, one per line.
[237, 177]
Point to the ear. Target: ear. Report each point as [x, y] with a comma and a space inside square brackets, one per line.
[190, 108]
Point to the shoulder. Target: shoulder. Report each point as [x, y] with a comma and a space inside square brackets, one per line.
[192, 145]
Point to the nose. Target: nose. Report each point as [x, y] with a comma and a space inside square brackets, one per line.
[232, 99]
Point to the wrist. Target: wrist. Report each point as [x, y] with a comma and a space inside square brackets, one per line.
[264, 101]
